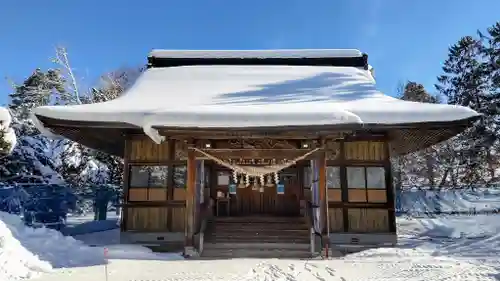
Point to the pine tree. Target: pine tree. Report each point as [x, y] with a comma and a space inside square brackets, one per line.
[416, 92]
[30, 161]
[420, 168]
[40, 88]
[466, 82]
[491, 51]
[95, 168]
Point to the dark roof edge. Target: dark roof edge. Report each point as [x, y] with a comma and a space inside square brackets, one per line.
[158, 62]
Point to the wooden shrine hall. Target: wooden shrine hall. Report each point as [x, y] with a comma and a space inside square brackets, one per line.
[273, 153]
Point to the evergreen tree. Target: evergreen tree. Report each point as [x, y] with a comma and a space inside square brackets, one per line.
[466, 82]
[417, 169]
[416, 92]
[92, 167]
[40, 88]
[31, 161]
[491, 51]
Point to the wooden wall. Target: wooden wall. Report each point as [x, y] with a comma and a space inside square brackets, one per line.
[158, 208]
[366, 208]
[145, 150]
[370, 151]
[360, 209]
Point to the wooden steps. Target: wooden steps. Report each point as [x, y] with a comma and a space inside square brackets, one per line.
[257, 237]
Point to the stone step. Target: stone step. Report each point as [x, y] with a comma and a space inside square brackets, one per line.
[258, 225]
[271, 232]
[253, 253]
[261, 219]
[261, 232]
[257, 245]
[263, 239]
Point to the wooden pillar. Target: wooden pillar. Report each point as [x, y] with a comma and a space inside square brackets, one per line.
[190, 198]
[322, 191]
[126, 181]
[390, 191]
[170, 183]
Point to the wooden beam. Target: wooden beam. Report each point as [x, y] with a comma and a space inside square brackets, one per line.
[254, 133]
[249, 135]
[256, 153]
[190, 200]
[149, 204]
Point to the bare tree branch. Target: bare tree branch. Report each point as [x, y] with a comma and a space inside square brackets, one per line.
[62, 59]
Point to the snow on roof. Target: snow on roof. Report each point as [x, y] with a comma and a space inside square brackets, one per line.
[238, 96]
[289, 53]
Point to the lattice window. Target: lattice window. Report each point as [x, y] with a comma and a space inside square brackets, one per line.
[366, 184]
[148, 176]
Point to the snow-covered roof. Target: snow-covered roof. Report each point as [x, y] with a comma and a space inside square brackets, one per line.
[289, 53]
[241, 96]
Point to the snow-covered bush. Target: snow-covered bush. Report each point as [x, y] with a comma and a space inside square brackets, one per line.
[7, 135]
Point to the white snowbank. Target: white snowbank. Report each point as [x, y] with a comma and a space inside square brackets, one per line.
[10, 135]
[16, 262]
[255, 96]
[465, 200]
[26, 252]
[470, 227]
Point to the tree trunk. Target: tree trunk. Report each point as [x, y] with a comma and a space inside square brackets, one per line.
[443, 179]
[429, 162]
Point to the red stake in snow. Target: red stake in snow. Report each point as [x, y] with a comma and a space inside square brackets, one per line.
[106, 263]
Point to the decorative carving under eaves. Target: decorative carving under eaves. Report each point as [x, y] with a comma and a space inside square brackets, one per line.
[261, 144]
[332, 149]
[181, 149]
[203, 144]
[311, 144]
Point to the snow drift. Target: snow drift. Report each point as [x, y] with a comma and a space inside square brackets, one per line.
[418, 202]
[26, 252]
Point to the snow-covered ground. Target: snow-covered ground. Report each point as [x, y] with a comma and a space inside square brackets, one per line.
[82, 224]
[443, 248]
[430, 249]
[440, 248]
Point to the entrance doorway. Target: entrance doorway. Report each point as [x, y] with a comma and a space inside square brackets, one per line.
[252, 201]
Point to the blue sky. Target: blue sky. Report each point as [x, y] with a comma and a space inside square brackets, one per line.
[404, 39]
